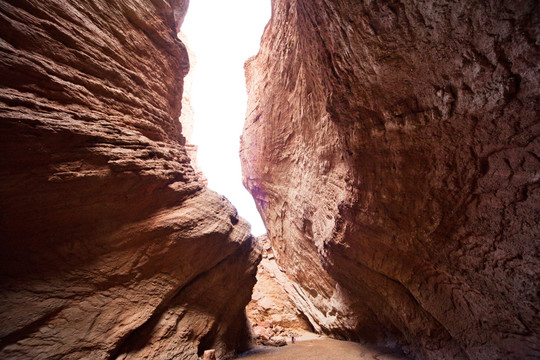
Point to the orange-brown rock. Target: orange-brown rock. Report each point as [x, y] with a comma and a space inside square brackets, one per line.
[393, 150]
[272, 311]
[110, 246]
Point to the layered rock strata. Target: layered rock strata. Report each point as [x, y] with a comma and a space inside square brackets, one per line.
[393, 150]
[111, 247]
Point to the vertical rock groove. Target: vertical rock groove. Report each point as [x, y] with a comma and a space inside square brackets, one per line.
[393, 150]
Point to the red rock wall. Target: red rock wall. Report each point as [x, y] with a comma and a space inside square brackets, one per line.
[110, 246]
[393, 151]
[272, 312]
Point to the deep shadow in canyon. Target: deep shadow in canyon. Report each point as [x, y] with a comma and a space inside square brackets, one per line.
[392, 149]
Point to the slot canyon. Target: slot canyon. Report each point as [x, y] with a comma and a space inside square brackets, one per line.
[392, 148]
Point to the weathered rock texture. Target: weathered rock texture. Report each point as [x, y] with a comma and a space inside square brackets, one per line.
[392, 148]
[110, 247]
[272, 311]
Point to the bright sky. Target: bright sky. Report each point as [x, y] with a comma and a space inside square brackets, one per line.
[223, 35]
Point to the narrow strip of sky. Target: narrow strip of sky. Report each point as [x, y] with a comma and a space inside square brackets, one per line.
[223, 35]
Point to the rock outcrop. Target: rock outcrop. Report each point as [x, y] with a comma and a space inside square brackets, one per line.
[393, 150]
[272, 313]
[110, 245]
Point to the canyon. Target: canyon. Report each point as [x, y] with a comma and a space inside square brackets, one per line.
[392, 149]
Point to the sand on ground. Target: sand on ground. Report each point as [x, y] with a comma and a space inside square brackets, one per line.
[322, 348]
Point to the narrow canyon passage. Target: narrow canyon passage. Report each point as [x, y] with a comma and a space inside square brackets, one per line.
[215, 92]
[392, 149]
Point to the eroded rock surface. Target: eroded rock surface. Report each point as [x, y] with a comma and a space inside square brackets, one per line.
[393, 151]
[111, 247]
[272, 313]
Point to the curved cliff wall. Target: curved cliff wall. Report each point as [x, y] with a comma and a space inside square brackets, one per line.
[111, 247]
[392, 148]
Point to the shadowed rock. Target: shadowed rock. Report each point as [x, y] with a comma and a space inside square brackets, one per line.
[393, 151]
[111, 247]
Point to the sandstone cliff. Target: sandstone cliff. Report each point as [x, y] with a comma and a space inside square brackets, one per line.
[110, 246]
[393, 151]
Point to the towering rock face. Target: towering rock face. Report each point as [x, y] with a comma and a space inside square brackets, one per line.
[393, 151]
[110, 246]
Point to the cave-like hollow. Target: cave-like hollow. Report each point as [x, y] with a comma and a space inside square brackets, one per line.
[392, 149]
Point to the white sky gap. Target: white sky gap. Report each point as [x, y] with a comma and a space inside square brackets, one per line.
[223, 35]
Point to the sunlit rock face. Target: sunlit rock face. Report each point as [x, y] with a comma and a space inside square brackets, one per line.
[110, 246]
[393, 151]
[272, 311]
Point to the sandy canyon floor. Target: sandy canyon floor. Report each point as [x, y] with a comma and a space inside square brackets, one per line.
[311, 346]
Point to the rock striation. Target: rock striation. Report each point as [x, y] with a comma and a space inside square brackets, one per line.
[393, 151]
[111, 247]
